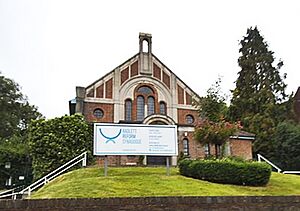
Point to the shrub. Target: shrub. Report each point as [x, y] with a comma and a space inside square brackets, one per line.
[55, 141]
[227, 171]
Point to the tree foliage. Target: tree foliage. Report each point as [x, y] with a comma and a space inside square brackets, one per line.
[259, 99]
[15, 116]
[215, 132]
[213, 129]
[213, 107]
[55, 141]
[286, 142]
[15, 152]
[15, 110]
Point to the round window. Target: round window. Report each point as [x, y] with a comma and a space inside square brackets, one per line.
[189, 119]
[98, 113]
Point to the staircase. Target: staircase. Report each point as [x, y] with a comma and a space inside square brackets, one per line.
[13, 194]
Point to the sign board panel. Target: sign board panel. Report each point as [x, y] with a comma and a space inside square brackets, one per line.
[134, 139]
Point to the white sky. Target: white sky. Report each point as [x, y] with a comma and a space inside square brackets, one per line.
[50, 47]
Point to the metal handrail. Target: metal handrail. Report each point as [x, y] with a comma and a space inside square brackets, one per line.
[51, 175]
[291, 172]
[7, 193]
[259, 157]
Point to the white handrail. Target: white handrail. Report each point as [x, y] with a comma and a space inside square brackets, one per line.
[48, 177]
[45, 177]
[291, 172]
[51, 175]
[259, 156]
[6, 191]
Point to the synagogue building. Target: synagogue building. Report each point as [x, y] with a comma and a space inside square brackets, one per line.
[143, 90]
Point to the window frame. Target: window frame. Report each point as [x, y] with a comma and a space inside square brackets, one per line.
[186, 147]
[96, 113]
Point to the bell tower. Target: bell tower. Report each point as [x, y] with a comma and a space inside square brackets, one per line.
[145, 41]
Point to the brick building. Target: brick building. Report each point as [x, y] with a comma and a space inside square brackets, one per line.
[143, 90]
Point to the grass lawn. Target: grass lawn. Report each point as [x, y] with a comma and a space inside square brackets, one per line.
[147, 181]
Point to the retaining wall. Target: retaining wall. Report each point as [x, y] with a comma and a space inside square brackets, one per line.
[157, 203]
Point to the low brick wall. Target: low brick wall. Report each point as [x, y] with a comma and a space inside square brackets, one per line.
[157, 203]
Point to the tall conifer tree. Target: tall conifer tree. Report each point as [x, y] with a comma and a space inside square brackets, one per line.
[259, 91]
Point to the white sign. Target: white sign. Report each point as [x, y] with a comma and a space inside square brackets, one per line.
[133, 139]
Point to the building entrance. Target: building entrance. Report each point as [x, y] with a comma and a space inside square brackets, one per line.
[157, 160]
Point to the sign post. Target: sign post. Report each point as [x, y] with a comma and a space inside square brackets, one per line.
[135, 139]
[105, 165]
[168, 166]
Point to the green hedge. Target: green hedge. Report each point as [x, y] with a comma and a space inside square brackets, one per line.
[227, 171]
[54, 142]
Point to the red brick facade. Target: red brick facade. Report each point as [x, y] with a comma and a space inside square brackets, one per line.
[100, 91]
[109, 89]
[156, 71]
[180, 94]
[241, 148]
[172, 105]
[182, 114]
[108, 111]
[134, 69]
[124, 75]
[166, 79]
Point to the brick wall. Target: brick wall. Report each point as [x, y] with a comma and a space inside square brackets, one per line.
[241, 148]
[100, 91]
[134, 69]
[166, 79]
[188, 99]
[180, 95]
[108, 110]
[182, 113]
[156, 72]
[157, 203]
[124, 75]
[109, 89]
[196, 150]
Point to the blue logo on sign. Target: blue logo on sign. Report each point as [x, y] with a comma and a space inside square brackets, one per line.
[112, 139]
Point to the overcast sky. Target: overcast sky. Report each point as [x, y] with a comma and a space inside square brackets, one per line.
[50, 47]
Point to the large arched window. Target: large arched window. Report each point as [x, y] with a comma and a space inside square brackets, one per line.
[140, 108]
[162, 108]
[128, 110]
[145, 90]
[151, 105]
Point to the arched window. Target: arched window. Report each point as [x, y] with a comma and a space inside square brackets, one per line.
[128, 110]
[145, 90]
[151, 105]
[145, 46]
[140, 108]
[162, 108]
[186, 147]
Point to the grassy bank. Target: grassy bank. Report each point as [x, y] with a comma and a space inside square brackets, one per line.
[146, 181]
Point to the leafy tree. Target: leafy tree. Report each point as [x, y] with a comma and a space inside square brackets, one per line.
[213, 129]
[14, 152]
[15, 116]
[213, 107]
[15, 111]
[214, 132]
[259, 97]
[55, 141]
[286, 142]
